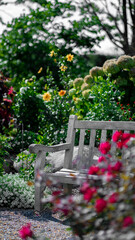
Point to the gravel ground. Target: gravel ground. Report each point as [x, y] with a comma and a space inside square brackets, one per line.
[11, 220]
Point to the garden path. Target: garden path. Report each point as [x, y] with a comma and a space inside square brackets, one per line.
[53, 227]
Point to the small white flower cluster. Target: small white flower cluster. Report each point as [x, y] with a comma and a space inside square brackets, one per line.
[14, 192]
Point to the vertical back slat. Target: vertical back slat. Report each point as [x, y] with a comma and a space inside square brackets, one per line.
[126, 131]
[103, 135]
[91, 146]
[81, 143]
[70, 139]
[80, 149]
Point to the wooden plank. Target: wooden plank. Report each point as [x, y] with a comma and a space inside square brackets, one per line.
[91, 147]
[35, 148]
[103, 136]
[126, 131]
[118, 125]
[68, 178]
[39, 165]
[80, 148]
[70, 139]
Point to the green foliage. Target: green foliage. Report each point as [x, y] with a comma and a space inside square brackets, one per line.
[15, 192]
[27, 41]
[29, 109]
[22, 140]
[101, 102]
[24, 162]
[5, 147]
[6, 98]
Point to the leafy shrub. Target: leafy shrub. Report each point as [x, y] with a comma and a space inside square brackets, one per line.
[15, 192]
[22, 140]
[28, 107]
[101, 101]
[6, 98]
[24, 163]
[40, 102]
[5, 147]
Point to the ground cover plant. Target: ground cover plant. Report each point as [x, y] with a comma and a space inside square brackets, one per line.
[15, 192]
[105, 210]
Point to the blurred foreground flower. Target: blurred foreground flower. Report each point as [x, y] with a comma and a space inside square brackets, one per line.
[25, 232]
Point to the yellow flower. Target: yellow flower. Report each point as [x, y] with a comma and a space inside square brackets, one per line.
[55, 60]
[52, 53]
[40, 70]
[47, 96]
[62, 93]
[70, 57]
[63, 68]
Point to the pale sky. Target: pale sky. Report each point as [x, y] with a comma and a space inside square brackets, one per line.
[11, 10]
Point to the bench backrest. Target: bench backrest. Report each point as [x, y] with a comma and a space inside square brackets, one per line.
[92, 126]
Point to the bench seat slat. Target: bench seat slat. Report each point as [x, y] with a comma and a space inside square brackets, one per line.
[66, 177]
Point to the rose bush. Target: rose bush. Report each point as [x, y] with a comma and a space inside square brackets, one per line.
[104, 208]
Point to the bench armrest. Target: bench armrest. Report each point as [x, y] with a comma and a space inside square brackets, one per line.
[35, 148]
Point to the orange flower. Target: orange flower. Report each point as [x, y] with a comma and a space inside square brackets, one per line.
[46, 96]
[70, 57]
[40, 70]
[62, 93]
[29, 183]
[63, 68]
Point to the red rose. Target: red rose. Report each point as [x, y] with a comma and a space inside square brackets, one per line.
[89, 193]
[25, 231]
[100, 205]
[104, 147]
[109, 176]
[117, 167]
[113, 198]
[93, 170]
[101, 159]
[127, 221]
[84, 187]
[116, 136]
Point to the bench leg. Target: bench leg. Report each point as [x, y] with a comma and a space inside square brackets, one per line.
[38, 196]
[67, 188]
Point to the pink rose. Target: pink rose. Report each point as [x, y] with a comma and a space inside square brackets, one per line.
[116, 136]
[117, 167]
[100, 205]
[101, 159]
[84, 187]
[113, 198]
[127, 221]
[89, 193]
[125, 137]
[109, 176]
[56, 193]
[93, 170]
[105, 147]
[25, 231]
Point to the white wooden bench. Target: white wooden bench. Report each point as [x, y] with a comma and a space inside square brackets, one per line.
[64, 175]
